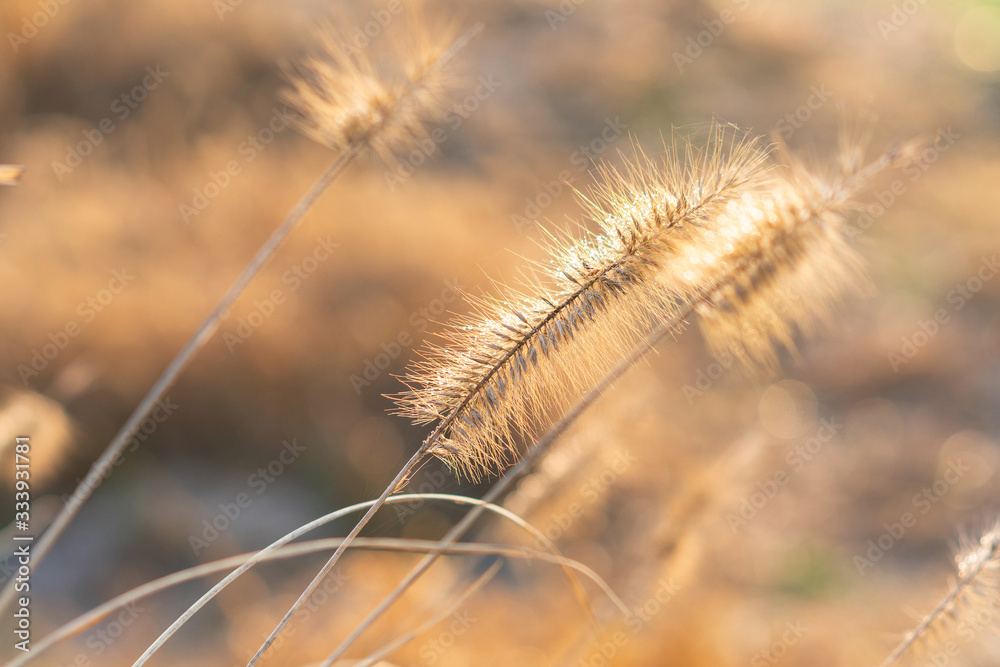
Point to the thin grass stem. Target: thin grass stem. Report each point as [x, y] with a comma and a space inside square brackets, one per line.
[101, 467]
[404, 639]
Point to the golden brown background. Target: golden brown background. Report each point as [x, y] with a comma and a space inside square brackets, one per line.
[655, 475]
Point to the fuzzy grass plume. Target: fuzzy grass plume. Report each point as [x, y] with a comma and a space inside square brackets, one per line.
[527, 352]
[347, 104]
[10, 174]
[960, 613]
[719, 229]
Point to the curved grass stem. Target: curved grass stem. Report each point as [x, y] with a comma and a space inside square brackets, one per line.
[541, 446]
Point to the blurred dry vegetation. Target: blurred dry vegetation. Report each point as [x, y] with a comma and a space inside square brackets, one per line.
[646, 488]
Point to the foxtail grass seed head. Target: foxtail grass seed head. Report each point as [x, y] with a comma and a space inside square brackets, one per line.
[712, 227]
[10, 174]
[778, 261]
[348, 100]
